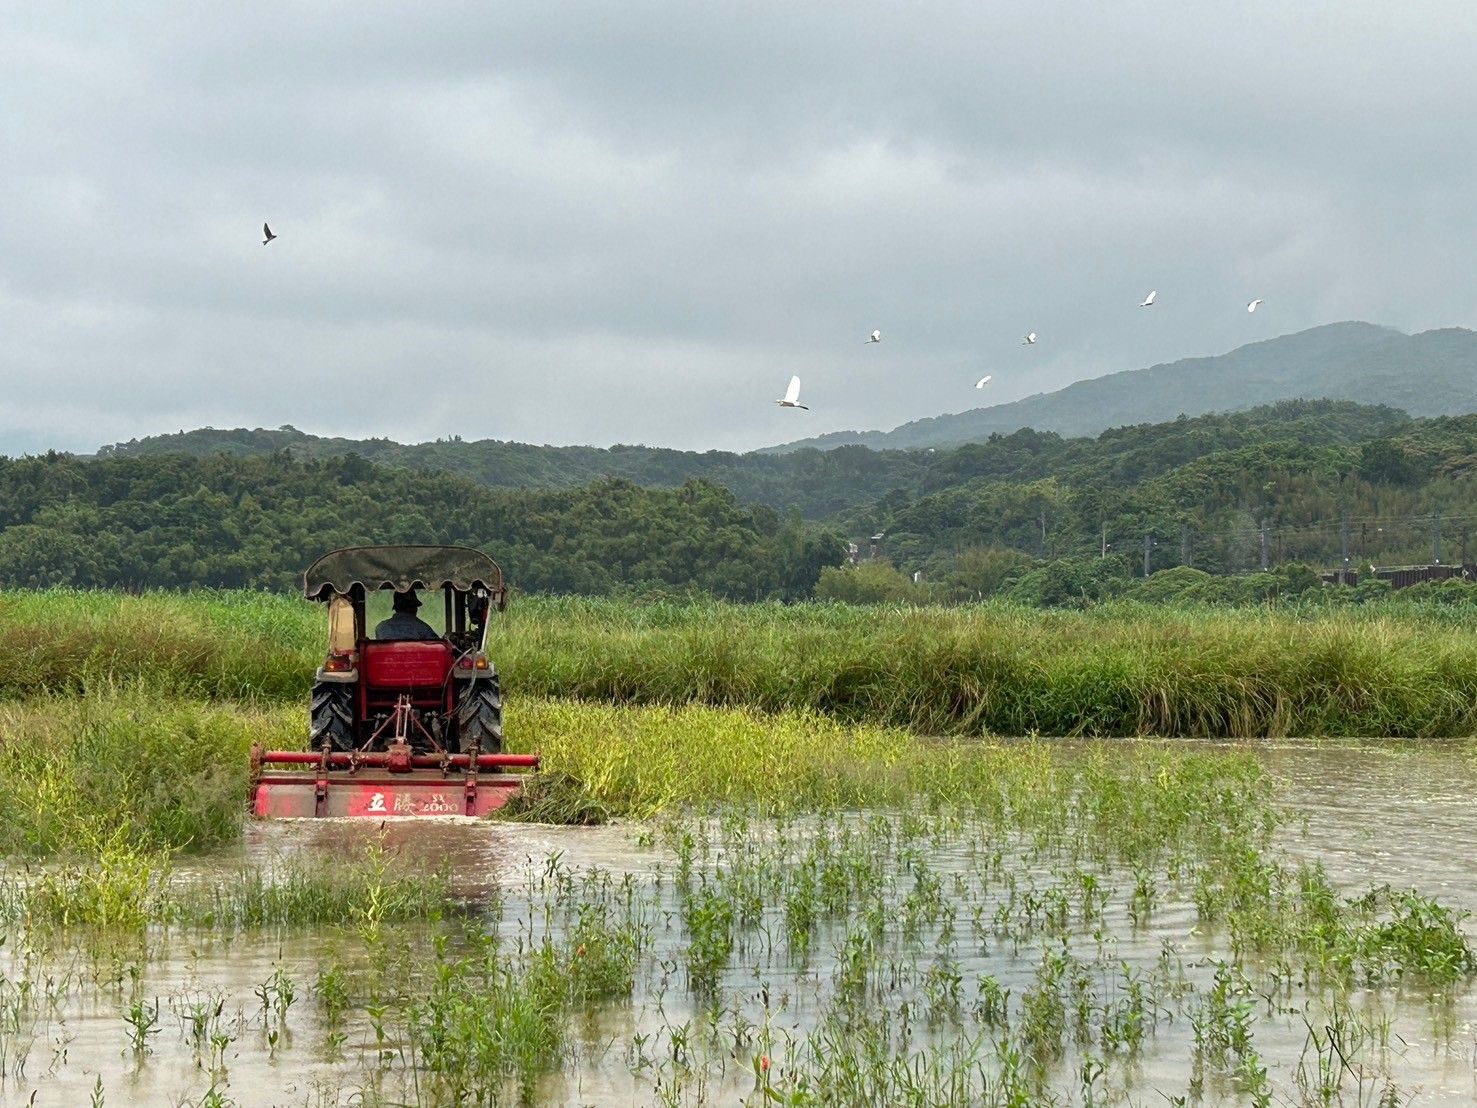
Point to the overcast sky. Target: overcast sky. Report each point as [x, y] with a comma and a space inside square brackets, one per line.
[600, 222]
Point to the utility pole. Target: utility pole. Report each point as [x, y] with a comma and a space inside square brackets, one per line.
[1344, 527]
[1148, 542]
[1184, 544]
[1436, 539]
[1104, 554]
[1264, 546]
[1344, 545]
[1043, 532]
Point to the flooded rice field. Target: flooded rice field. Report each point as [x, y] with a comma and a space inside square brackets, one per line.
[1165, 943]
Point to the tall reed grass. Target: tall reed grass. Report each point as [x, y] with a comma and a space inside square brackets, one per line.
[992, 669]
[85, 777]
[222, 645]
[643, 761]
[77, 773]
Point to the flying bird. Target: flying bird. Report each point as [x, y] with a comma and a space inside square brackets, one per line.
[1149, 300]
[268, 232]
[792, 396]
[1029, 340]
[1252, 306]
[983, 381]
[875, 336]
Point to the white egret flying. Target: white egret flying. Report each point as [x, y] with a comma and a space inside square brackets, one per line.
[792, 396]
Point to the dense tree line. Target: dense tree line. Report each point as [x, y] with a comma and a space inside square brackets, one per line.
[1082, 582]
[843, 483]
[819, 483]
[1200, 491]
[252, 507]
[257, 521]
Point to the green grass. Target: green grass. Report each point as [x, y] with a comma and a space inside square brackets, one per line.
[133, 715]
[209, 645]
[171, 775]
[1120, 670]
[161, 774]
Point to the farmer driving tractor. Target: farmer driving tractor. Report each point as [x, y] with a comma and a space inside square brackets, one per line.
[406, 721]
[405, 625]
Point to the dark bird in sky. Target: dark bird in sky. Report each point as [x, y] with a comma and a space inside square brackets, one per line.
[268, 232]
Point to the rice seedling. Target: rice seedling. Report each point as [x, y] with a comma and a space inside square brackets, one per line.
[199, 1016]
[142, 1018]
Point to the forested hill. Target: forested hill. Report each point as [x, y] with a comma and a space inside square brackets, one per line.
[1207, 483]
[819, 483]
[1428, 374]
[175, 520]
[1404, 495]
[822, 484]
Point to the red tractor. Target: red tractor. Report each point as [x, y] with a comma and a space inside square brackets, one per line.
[396, 724]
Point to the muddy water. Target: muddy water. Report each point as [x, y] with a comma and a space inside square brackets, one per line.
[1398, 812]
[1404, 814]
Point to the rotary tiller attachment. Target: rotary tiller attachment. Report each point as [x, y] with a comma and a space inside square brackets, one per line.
[394, 781]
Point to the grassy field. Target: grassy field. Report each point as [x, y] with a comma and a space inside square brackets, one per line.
[136, 712]
[862, 884]
[83, 776]
[992, 669]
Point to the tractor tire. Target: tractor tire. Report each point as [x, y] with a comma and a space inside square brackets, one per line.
[331, 716]
[479, 714]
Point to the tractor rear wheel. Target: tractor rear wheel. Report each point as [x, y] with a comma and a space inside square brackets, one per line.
[331, 716]
[479, 714]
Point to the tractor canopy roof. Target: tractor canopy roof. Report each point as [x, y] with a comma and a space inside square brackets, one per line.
[400, 568]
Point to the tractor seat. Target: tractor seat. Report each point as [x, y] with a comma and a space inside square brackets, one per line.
[405, 665]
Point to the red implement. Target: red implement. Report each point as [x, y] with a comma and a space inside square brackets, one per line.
[392, 782]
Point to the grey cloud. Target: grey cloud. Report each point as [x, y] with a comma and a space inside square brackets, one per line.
[633, 222]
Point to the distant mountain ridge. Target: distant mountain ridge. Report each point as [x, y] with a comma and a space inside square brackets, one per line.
[1432, 373]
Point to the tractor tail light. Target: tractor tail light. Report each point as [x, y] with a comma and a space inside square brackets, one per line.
[339, 663]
